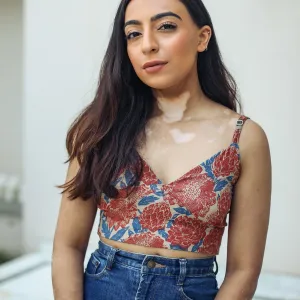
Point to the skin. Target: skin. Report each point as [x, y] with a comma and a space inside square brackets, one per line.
[180, 137]
[70, 243]
[172, 111]
[182, 112]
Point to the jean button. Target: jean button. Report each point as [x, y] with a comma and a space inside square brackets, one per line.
[151, 264]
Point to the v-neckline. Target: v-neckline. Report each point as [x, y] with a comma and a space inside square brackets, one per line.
[189, 171]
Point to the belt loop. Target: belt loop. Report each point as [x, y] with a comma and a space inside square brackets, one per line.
[111, 258]
[182, 273]
[217, 266]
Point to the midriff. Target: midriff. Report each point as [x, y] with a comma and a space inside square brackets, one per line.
[153, 251]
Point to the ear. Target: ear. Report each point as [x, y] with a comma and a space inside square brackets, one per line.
[204, 36]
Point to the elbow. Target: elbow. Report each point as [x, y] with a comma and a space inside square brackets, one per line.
[63, 252]
[65, 244]
[251, 274]
[246, 281]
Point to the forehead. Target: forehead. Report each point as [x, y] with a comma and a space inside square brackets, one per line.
[145, 9]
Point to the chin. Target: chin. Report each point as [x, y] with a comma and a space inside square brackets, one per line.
[159, 83]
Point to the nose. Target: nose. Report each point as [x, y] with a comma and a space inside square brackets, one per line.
[149, 43]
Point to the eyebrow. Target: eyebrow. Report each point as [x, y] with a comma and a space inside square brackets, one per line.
[154, 18]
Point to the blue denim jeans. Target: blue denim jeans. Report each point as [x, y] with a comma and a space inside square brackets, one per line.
[113, 274]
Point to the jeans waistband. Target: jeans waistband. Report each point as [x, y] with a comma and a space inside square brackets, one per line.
[156, 264]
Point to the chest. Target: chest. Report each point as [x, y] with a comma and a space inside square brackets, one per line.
[172, 151]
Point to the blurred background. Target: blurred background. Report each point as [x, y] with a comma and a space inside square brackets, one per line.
[50, 56]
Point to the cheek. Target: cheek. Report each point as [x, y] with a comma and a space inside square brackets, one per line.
[134, 57]
[183, 46]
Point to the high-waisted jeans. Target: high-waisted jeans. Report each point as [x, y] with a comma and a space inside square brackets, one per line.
[113, 274]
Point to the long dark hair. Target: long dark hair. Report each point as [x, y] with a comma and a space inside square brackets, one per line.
[105, 136]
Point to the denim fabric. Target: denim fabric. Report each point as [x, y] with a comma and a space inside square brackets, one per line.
[113, 274]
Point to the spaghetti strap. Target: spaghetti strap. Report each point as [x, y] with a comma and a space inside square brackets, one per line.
[239, 125]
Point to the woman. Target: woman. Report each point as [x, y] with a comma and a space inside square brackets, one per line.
[162, 152]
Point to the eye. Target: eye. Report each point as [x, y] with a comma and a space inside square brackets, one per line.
[132, 35]
[167, 26]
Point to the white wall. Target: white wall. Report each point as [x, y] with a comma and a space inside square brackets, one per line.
[10, 86]
[260, 41]
[63, 51]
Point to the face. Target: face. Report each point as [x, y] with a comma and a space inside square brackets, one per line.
[163, 41]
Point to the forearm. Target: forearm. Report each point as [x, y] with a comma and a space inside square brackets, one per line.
[67, 273]
[239, 285]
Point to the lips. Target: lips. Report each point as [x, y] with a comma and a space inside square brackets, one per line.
[154, 63]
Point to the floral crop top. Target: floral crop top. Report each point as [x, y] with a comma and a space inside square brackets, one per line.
[188, 214]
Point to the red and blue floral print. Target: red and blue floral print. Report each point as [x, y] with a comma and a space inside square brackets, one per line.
[188, 214]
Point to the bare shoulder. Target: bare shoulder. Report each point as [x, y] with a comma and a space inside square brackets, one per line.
[223, 114]
[253, 140]
[252, 133]
[253, 137]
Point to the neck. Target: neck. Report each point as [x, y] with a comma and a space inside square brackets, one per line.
[177, 103]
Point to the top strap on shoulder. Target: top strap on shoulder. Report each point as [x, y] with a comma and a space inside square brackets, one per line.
[239, 125]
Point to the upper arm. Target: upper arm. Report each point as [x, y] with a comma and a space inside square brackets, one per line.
[249, 217]
[75, 219]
